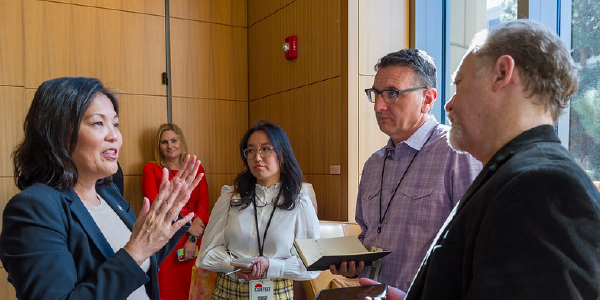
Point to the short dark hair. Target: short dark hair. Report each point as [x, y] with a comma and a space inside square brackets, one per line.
[418, 60]
[50, 132]
[291, 175]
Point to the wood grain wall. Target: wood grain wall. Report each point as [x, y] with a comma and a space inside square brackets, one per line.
[306, 96]
[228, 69]
[122, 42]
[12, 107]
[210, 83]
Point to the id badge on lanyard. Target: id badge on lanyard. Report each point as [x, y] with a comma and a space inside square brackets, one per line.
[261, 289]
[373, 270]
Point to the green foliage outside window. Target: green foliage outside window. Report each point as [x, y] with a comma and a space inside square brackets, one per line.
[584, 139]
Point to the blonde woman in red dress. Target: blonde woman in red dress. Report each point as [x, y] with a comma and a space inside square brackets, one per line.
[174, 276]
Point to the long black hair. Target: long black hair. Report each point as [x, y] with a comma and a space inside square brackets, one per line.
[290, 173]
[50, 132]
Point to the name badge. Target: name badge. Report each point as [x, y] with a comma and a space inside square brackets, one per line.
[373, 270]
[261, 289]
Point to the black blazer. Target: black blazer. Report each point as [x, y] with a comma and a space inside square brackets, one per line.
[52, 249]
[528, 228]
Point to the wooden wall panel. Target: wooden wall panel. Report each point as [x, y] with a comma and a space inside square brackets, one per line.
[213, 130]
[328, 189]
[7, 291]
[229, 12]
[209, 60]
[209, 65]
[215, 183]
[314, 127]
[132, 184]
[306, 96]
[7, 190]
[311, 117]
[318, 27]
[156, 7]
[260, 9]
[11, 43]
[13, 108]
[121, 48]
[139, 119]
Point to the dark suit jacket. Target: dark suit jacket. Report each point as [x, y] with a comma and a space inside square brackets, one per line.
[52, 248]
[528, 228]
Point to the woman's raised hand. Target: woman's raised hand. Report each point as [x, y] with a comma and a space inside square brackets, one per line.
[186, 175]
[157, 223]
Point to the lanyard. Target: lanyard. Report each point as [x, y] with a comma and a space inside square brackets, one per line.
[382, 217]
[261, 247]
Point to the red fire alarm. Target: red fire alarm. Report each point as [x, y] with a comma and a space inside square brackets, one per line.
[291, 47]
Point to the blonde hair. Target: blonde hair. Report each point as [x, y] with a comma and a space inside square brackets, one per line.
[158, 156]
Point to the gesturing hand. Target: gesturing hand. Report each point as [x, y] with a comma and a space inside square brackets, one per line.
[157, 223]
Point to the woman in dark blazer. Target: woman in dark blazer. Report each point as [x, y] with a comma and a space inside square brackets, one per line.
[69, 234]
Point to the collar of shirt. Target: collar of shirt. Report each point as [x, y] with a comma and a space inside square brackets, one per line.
[265, 195]
[416, 140]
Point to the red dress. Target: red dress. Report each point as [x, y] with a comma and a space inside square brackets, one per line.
[174, 277]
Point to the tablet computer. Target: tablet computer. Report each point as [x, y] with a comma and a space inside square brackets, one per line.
[242, 262]
[354, 293]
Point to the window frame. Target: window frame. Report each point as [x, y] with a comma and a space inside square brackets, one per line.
[429, 18]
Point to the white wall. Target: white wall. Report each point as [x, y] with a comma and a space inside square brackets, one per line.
[375, 28]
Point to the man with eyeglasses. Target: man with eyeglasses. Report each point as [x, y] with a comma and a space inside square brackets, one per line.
[410, 186]
[529, 226]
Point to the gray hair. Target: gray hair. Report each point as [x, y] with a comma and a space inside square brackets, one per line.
[543, 59]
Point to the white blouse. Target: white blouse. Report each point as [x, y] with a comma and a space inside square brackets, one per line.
[231, 233]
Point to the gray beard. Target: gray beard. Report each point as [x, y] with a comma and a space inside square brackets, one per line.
[454, 135]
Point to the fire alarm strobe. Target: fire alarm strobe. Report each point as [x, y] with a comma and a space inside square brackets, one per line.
[291, 47]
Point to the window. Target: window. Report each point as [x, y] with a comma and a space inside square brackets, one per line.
[445, 28]
[584, 114]
[501, 11]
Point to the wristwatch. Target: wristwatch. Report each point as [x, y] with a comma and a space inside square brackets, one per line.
[192, 238]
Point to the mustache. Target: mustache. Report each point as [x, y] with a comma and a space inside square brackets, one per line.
[450, 117]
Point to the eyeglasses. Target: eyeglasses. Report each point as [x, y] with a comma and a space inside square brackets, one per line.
[389, 96]
[265, 152]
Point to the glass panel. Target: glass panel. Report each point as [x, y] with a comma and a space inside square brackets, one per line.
[501, 11]
[467, 18]
[584, 132]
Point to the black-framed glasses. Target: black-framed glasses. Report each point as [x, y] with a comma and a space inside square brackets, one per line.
[265, 152]
[389, 96]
